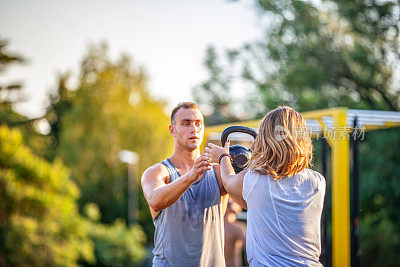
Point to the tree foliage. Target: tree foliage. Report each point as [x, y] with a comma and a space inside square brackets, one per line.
[39, 222]
[117, 245]
[111, 110]
[60, 104]
[380, 198]
[114, 244]
[318, 54]
[11, 94]
[215, 93]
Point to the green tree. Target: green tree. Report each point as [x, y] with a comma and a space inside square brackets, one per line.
[115, 244]
[60, 103]
[11, 94]
[318, 54]
[39, 220]
[380, 198]
[215, 93]
[111, 110]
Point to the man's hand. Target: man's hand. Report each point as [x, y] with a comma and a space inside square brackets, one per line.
[214, 151]
[202, 164]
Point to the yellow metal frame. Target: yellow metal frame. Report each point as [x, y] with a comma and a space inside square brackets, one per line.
[340, 188]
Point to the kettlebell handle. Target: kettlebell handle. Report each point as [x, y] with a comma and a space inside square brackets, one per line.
[235, 129]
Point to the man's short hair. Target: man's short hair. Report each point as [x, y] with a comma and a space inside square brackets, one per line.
[188, 105]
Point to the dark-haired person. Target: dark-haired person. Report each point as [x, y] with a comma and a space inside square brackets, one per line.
[186, 197]
[283, 198]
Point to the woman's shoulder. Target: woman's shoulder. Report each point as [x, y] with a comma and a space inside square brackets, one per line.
[316, 176]
[257, 173]
[254, 175]
[314, 173]
[251, 180]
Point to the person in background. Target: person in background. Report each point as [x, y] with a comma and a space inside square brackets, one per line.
[283, 197]
[235, 235]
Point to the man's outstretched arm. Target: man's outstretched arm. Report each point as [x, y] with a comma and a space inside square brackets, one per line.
[160, 193]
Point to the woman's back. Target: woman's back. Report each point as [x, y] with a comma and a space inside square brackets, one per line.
[284, 218]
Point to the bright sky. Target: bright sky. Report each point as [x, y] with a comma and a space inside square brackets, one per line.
[168, 38]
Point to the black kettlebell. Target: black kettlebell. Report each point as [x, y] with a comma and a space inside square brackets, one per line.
[240, 155]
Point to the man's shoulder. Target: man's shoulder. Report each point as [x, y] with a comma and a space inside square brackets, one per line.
[157, 166]
[156, 169]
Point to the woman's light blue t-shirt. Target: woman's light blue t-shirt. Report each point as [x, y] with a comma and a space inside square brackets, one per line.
[284, 218]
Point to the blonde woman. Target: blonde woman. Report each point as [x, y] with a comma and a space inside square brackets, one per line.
[283, 197]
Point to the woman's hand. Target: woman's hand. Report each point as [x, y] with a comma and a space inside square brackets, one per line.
[215, 152]
[233, 183]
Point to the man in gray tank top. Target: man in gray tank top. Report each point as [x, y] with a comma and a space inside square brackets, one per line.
[186, 198]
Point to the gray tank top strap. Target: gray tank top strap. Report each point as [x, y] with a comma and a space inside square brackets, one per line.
[173, 173]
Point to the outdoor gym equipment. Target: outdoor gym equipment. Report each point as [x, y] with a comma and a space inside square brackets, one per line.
[240, 155]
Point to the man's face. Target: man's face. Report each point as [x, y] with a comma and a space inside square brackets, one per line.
[188, 128]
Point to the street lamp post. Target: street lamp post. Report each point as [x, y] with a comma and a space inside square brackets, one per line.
[132, 160]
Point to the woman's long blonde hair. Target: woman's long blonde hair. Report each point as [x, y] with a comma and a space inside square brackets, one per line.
[283, 145]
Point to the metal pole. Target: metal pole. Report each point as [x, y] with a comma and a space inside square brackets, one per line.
[340, 192]
[132, 160]
[355, 256]
[132, 196]
[325, 257]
